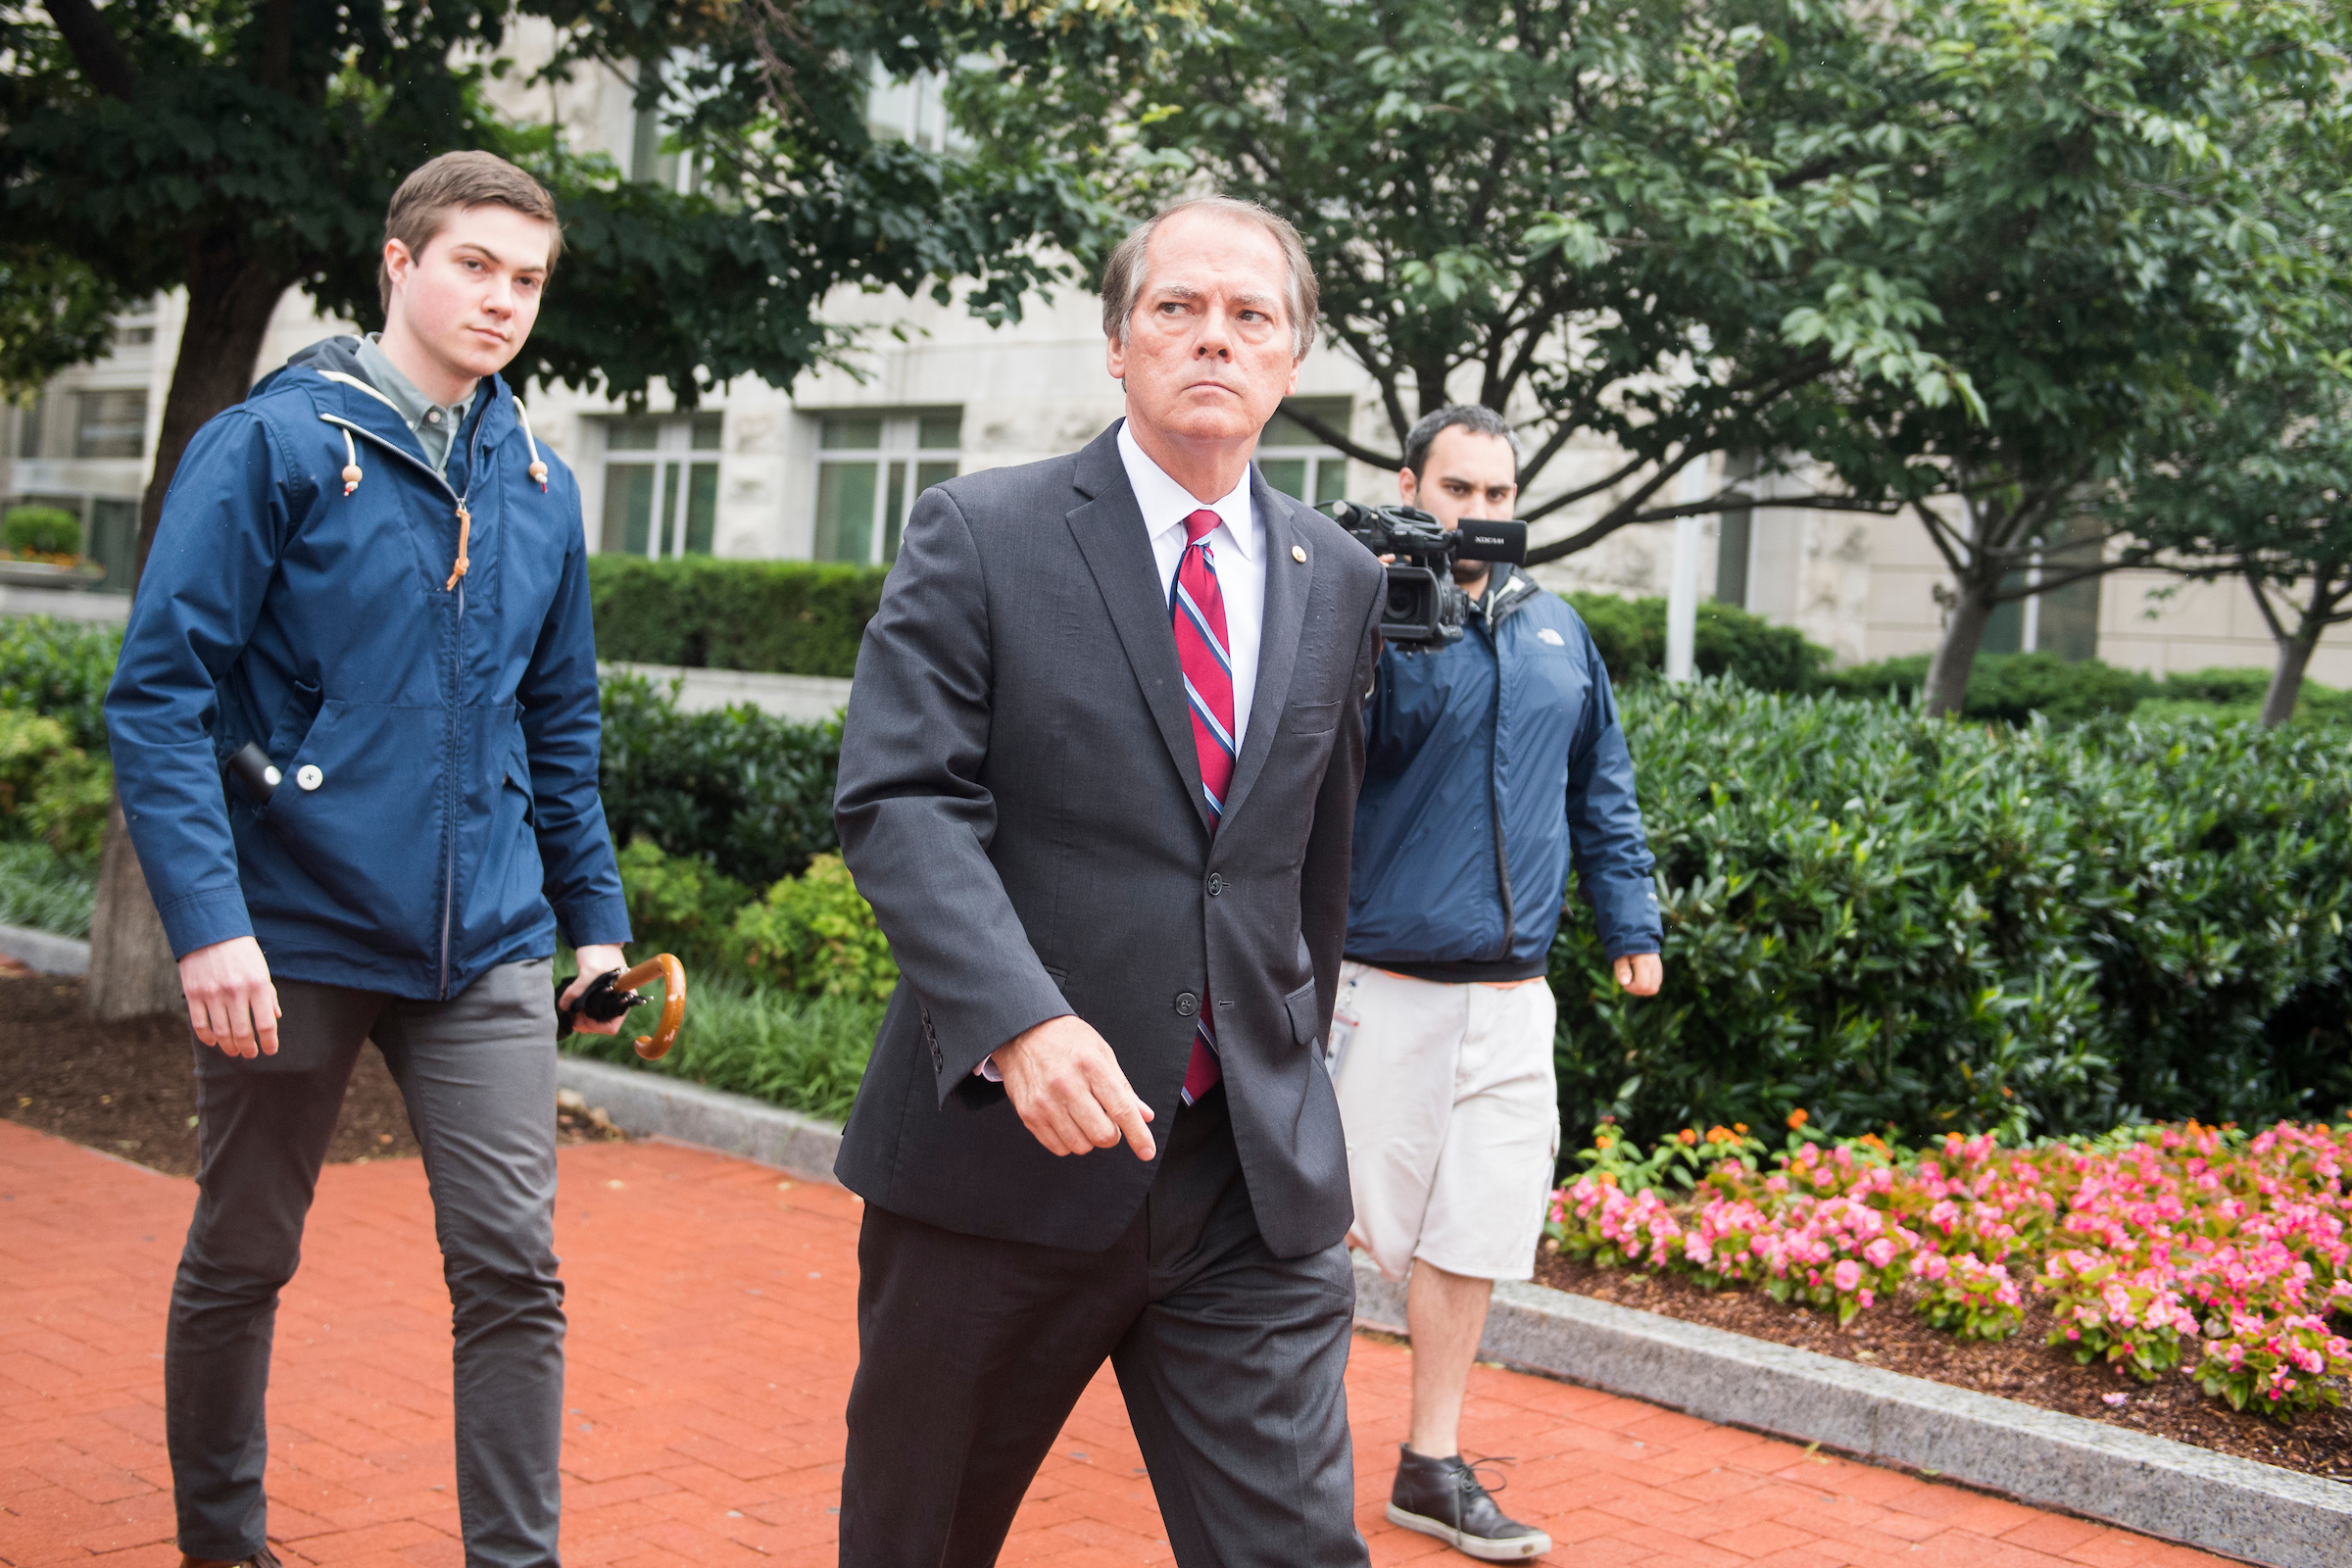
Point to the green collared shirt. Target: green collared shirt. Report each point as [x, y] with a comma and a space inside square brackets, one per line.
[436, 426]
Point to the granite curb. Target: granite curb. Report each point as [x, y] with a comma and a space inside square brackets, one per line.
[656, 1105]
[2148, 1484]
[45, 951]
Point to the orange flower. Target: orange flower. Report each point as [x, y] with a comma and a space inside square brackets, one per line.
[1603, 1141]
[1741, 1128]
[1797, 1118]
[1720, 1134]
[1687, 1136]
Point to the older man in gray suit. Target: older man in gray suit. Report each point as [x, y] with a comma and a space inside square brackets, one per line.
[1097, 779]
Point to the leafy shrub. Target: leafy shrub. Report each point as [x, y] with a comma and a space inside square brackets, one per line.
[44, 891]
[805, 1053]
[816, 935]
[1631, 634]
[679, 904]
[28, 742]
[750, 793]
[789, 616]
[1895, 920]
[41, 531]
[67, 810]
[60, 668]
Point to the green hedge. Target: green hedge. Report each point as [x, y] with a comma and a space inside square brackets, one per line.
[1893, 920]
[1631, 634]
[749, 794]
[2014, 687]
[789, 617]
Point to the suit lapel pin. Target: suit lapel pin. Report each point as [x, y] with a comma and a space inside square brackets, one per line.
[1298, 554]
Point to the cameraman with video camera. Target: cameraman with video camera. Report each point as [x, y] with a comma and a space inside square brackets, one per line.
[1494, 761]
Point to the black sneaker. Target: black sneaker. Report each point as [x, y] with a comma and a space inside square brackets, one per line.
[1441, 1498]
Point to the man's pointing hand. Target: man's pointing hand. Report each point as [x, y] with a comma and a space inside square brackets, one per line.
[1066, 1085]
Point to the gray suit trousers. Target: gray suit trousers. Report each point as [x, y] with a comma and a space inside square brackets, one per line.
[1233, 1363]
[479, 1073]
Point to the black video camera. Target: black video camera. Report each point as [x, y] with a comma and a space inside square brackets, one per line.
[1424, 607]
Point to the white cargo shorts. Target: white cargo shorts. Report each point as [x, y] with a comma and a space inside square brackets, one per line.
[1451, 1117]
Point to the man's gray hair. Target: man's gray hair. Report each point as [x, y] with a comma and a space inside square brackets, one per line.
[1123, 273]
[1468, 417]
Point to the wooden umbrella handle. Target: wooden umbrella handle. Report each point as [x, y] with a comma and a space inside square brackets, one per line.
[666, 968]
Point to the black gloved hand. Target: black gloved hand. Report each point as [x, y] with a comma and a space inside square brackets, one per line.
[600, 1002]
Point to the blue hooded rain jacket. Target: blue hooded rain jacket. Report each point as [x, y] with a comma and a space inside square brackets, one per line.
[438, 812]
[1480, 792]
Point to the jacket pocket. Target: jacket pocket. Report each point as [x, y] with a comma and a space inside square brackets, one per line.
[1310, 718]
[519, 776]
[361, 811]
[295, 716]
[1301, 1004]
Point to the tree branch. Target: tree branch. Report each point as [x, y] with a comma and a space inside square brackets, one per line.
[1332, 436]
[95, 47]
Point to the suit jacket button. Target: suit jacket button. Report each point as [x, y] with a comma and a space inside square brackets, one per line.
[1216, 884]
[1187, 1004]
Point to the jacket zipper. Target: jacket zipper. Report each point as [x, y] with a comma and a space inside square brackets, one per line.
[1503, 864]
[449, 855]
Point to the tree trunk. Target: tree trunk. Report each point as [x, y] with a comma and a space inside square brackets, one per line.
[1946, 689]
[2287, 676]
[230, 299]
[131, 973]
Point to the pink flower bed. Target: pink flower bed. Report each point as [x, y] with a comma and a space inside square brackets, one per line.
[2156, 1247]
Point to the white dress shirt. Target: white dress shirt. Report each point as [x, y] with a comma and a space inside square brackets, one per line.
[1236, 547]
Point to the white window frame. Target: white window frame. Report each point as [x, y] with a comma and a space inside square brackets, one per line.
[673, 448]
[1322, 461]
[901, 431]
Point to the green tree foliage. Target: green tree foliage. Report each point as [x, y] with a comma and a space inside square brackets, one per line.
[2256, 484]
[240, 149]
[55, 312]
[2110, 204]
[1627, 219]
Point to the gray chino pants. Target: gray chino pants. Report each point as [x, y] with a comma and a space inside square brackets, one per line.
[479, 1073]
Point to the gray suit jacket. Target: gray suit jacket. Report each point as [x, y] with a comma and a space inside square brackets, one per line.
[1020, 801]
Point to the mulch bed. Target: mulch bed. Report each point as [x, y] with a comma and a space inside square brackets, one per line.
[126, 1089]
[2020, 1367]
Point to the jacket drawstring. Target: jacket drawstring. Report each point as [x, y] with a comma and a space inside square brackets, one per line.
[465, 531]
[538, 470]
[351, 465]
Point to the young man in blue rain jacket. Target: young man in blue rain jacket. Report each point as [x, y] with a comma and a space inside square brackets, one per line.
[373, 572]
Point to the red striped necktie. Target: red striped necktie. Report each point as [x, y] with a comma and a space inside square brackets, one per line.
[1198, 609]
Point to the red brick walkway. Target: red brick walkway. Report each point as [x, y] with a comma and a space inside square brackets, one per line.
[713, 1337]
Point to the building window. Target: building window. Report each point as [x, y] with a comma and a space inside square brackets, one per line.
[1735, 538]
[661, 486]
[2065, 621]
[28, 427]
[110, 539]
[110, 424]
[869, 468]
[1300, 465]
[912, 110]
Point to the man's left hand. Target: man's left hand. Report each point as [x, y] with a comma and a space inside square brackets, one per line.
[604, 960]
[1639, 974]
